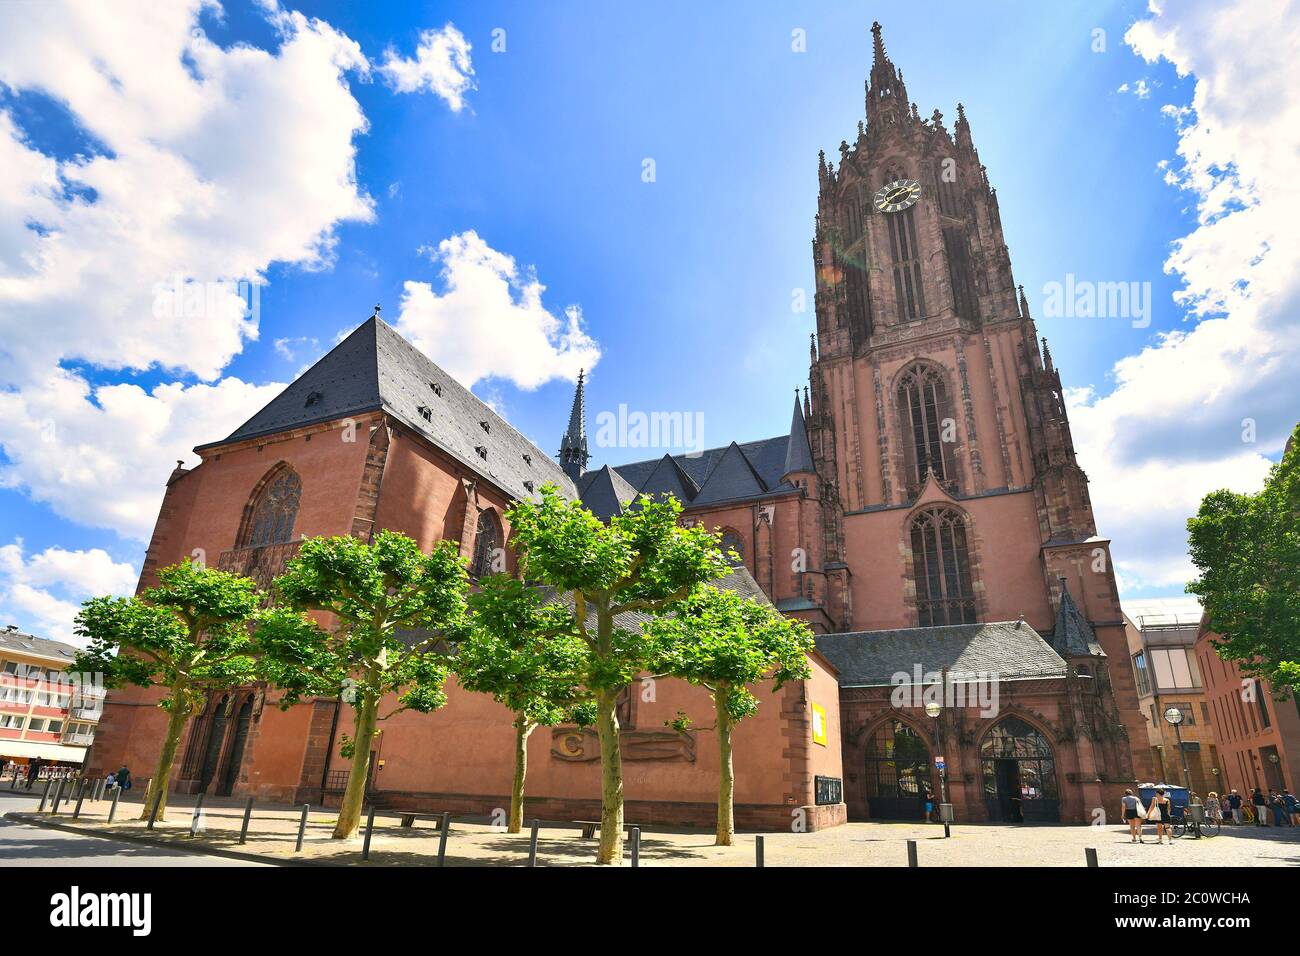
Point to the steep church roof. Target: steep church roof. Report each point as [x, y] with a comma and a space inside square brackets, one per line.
[732, 477]
[668, 478]
[1010, 649]
[1073, 635]
[605, 493]
[375, 369]
[798, 453]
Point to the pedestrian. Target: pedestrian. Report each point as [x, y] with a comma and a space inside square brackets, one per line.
[1160, 812]
[1130, 805]
[1260, 804]
[124, 777]
[1292, 807]
[929, 805]
[1278, 808]
[1234, 807]
[111, 782]
[33, 770]
[1213, 807]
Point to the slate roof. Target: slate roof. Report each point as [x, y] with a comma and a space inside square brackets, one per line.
[668, 478]
[374, 369]
[766, 457]
[1073, 635]
[1012, 650]
[605, 493]
[798, 453]
[30, 644]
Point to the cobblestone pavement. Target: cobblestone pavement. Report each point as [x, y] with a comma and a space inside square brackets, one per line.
[473, 842]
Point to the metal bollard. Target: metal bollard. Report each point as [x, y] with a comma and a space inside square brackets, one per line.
[758, 850]
[45, 795]
[911, 853]
[370, 828]
[636, 846]
[153, 814]
[302, 827]
[248, 815]
[81, 796]
[194, 817]
[58, 795]
[442, 838]
[112, 810]
[1091, 854]
[532, 843]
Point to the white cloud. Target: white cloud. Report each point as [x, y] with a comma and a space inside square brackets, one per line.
[441, 65]
[101, 456]
[43, 592]
[208, 166]
[1171, 429]
[490, 321]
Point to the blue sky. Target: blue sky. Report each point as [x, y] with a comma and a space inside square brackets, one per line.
[543, 161]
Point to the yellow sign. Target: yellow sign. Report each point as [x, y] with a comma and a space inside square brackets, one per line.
[819, 724]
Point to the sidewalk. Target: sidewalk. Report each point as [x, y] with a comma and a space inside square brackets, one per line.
[475, 842]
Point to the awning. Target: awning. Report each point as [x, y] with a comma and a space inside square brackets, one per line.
[31, 748]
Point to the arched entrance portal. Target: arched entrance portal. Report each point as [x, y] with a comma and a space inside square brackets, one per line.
[1019, 774]
[898, 773]
[216, 738]
[237, 747]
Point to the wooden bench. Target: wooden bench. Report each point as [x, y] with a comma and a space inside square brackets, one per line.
[589, 827]
[408, 819]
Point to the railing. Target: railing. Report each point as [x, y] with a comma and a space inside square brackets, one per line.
[262, 564]
[337, 780]
[79, 740]
[86, 713]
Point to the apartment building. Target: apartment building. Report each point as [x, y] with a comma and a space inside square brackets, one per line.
[44, 711]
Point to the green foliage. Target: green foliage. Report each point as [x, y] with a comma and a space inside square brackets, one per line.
[188, 633]
[641, 561]
[525, 653]
[374, 591]
[720, 641]
[681, 723]
[1247, 550]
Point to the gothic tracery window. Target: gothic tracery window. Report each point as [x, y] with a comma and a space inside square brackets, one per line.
[928, 427]
[941, 568]
[275, 511]
[733, 547]
[487, 543]
[906, 256]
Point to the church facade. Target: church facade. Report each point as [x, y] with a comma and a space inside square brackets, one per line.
[924, 513]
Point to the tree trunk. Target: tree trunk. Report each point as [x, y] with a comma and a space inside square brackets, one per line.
[726, 776]
[611, 776]
[163, 772]
[350, 810]
[523, 729]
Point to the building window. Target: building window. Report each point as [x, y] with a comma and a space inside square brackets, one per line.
[898, 780]
[487, 543]
[12, 722]
[1175, 668]
[928, 427]
[733, 547]
[907, 264]
[1143, 678]
[274, 511]
[941, 568]
[1264, 719]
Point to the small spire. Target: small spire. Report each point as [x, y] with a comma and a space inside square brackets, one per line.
[1024, 303]
[812, 346]
[376, 312]
[807, 405]
[1047, 355]
[573, 446]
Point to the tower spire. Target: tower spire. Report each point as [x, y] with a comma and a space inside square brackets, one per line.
[886, 93]
[573, 446]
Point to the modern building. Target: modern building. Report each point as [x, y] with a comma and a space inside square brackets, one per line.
[1161, 641]
[1258, 735]
[924, 513]
[41, 714]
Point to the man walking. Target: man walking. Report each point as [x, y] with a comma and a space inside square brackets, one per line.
[1234, 805]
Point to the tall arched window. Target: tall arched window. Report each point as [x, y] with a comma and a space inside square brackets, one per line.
[487, 542]
[898, 772]
[733, 546]
[928, 428]
[272, 514]
[906, 256]
[941, 568]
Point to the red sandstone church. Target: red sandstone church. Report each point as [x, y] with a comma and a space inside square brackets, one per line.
[924, 513]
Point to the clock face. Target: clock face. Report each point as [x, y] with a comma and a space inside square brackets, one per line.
[898, 195]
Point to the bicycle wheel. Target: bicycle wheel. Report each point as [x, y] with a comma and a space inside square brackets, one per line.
[1210, 828]
[1178, 829]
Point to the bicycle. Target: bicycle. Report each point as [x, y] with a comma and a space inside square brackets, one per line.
[1182, 826]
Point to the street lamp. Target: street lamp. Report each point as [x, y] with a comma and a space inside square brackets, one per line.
[933, 710]
[1175, 716]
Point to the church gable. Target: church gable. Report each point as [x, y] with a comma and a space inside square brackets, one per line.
[668, 478]
[732, 477]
